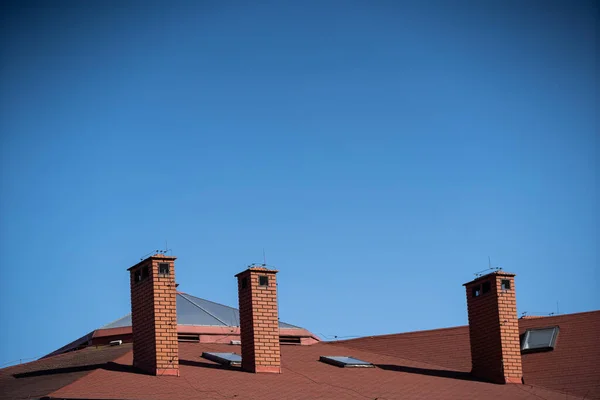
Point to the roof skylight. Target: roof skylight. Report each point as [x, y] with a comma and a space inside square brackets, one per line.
[224, 358]
[347, 362]
[539, 339]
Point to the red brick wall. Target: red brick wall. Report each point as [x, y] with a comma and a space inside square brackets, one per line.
[259, 323]
[154, 317]
[494, 330]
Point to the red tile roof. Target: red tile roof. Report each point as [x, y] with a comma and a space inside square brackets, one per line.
[39, 378]
[572, 367]
[418, 365]
[303, 377]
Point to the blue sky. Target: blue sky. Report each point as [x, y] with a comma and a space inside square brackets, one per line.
[378, 151]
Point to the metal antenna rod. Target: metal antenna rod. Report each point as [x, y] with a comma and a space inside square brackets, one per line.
[264, 257]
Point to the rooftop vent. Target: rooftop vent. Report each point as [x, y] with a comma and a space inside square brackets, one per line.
[345, 362]
[116, 342]
[534, 340]
[188, 337]
[289, 340]
[224, 358]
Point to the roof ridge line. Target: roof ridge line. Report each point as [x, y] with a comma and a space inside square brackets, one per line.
[562, 315]
[214, 302]
[400, 333]
[112, 322]
[202, 308]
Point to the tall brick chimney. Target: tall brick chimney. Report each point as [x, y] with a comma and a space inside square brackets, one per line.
[154, 315]
[494, 328]
[259, 324]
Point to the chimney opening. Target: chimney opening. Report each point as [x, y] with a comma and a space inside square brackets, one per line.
[244, 282]
[145, 272]
[263, 280]
[163, 268]
[505, 284]
[137, 276]
[486, 287]
[476, 291]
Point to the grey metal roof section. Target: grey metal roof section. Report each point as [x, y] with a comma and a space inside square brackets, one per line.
[344, 361]
[195, 311]
[224, 358]
[121, 322]
[539, 339]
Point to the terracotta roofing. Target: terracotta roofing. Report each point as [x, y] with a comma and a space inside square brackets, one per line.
[426, 365]
[39, 378]
[572, 367]
[303, 377]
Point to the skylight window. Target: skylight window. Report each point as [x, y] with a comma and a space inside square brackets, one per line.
[346, 362]
[539, 339]
[224, 358]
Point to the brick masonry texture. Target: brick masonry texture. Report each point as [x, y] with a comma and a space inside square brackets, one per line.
[494, 329]
[259, 322]
[154, 316]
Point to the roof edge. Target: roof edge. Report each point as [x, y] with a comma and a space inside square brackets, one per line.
[456, 327]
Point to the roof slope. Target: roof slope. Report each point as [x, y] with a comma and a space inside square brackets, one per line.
[572, 367]
[303, 377]
[426, 365]
[40, 378]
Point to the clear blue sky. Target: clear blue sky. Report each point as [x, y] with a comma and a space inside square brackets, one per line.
[378, 151]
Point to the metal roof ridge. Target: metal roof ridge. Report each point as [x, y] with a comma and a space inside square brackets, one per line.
[214, 302]
[202, 308]
[292, 326]
[112, 322]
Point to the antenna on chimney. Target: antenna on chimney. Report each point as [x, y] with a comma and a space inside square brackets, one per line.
[490, 268]
[264, 257]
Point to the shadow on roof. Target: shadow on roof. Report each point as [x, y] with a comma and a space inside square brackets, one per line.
[440, 373]
[201, 364]
[109, 366]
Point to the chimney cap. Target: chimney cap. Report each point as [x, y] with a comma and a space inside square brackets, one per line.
[260, 269]
[157, 256]
[495, 273]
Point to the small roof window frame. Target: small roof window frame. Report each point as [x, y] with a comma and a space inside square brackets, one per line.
[229, 359]
[345, 362]
[545, 340]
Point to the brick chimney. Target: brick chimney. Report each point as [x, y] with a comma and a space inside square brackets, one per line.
[494, 328]
[154, 315]
[259, 324]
